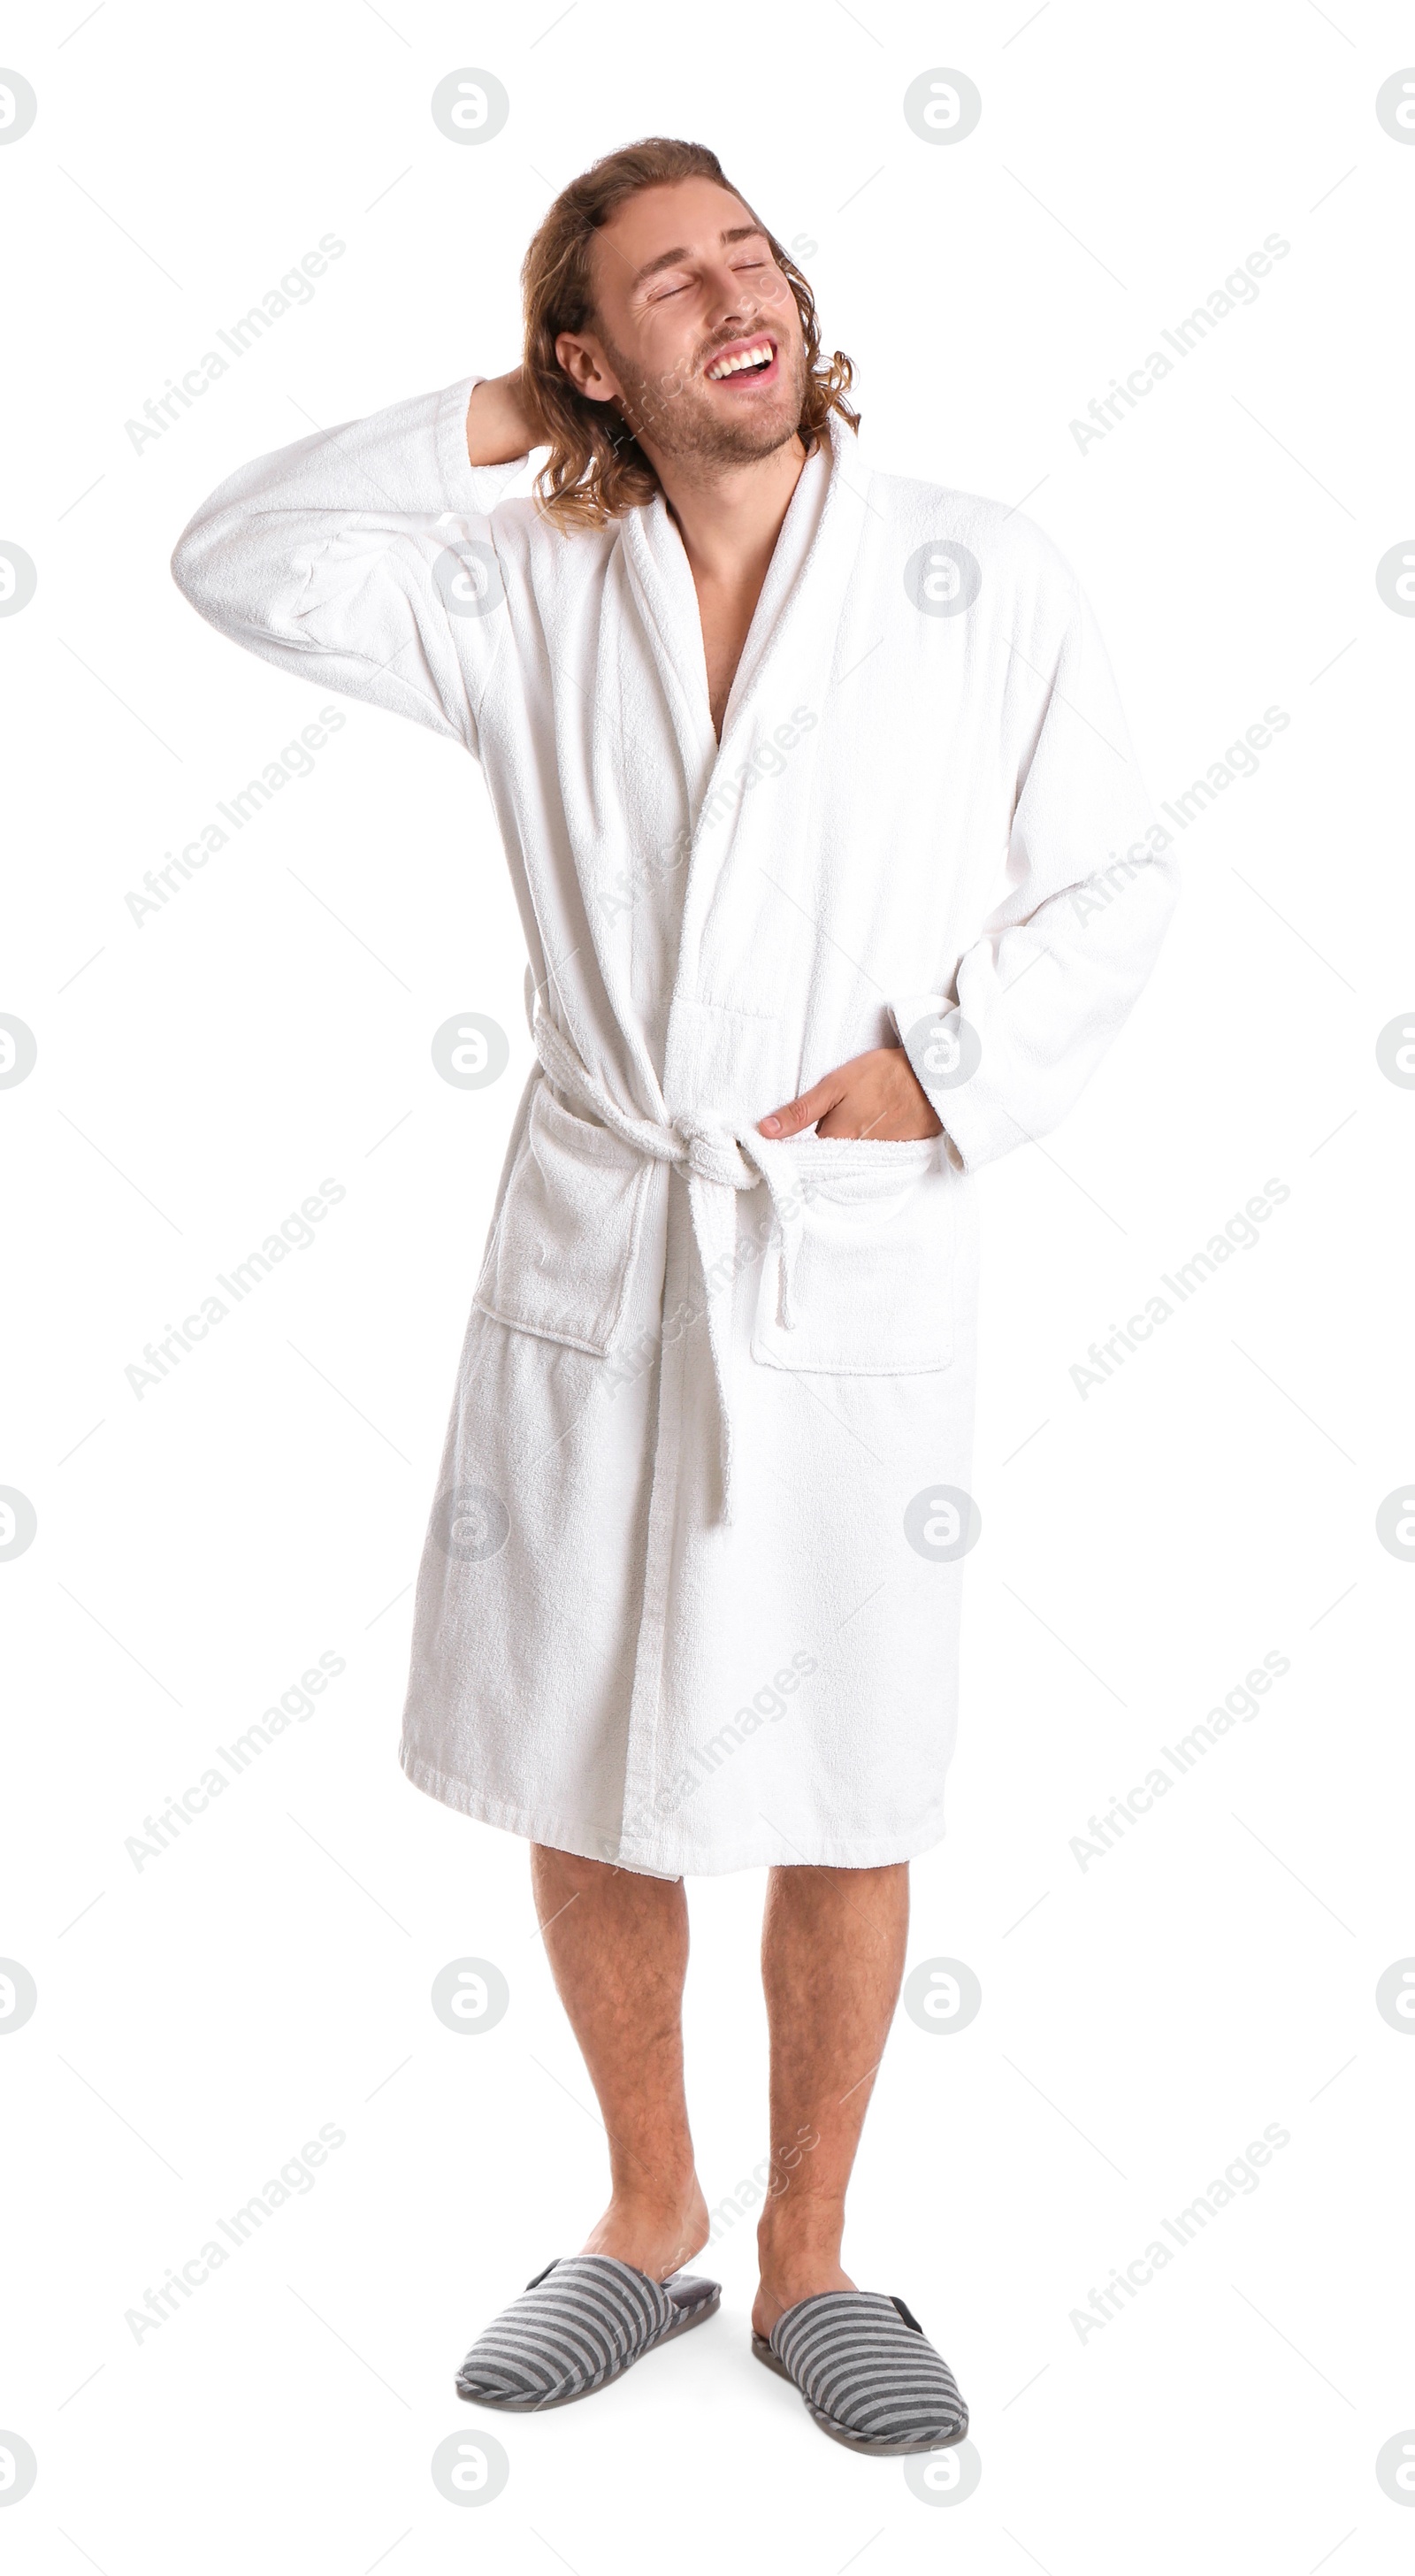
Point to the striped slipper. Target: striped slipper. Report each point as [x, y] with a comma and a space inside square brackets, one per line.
[867, 2371]
[581, 2322]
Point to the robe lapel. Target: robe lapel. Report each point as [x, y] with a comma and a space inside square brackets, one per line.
[787, 663]
[804, 585]
[794, 565]
[662, 585]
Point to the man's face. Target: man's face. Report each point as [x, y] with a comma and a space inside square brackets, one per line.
[684, 283]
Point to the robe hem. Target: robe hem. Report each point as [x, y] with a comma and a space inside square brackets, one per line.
[879, 1853]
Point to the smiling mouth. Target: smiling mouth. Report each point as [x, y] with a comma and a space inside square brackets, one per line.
[749, 362]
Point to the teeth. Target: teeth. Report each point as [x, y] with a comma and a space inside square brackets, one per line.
[758, 355]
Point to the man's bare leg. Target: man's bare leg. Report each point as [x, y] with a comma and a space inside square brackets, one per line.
[832, 1960]
[618, 1949]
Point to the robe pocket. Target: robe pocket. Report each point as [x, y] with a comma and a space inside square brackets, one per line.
[561, 1254]
[871, 1252]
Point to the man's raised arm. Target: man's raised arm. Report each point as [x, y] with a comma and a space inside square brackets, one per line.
[364, 558]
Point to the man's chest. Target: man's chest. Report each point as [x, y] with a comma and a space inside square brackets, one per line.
[614, 709]
[725, 613]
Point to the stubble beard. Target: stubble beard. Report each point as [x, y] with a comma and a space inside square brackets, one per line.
[686, 426]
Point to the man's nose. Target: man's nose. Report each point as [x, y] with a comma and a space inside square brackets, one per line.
[735, 309]
[735, 302]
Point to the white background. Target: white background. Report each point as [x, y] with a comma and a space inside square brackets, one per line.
[1143, 1548]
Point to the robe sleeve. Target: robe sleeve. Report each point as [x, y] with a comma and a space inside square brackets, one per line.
[1082, 907]
[364, 559]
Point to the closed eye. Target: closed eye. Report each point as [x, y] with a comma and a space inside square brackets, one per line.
[741, 268]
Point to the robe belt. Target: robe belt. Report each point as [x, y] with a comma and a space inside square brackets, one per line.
[716, 1162]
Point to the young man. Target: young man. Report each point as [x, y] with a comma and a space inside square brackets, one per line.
[837, 880]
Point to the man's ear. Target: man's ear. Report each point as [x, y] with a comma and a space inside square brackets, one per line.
[584, 365]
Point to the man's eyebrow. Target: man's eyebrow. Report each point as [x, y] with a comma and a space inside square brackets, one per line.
[671, 258]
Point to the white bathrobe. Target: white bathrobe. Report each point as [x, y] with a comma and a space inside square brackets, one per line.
[689, 1599]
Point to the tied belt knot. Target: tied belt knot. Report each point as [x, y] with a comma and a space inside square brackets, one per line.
[716, 1162]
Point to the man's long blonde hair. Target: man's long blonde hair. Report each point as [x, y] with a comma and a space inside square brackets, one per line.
[597, 468]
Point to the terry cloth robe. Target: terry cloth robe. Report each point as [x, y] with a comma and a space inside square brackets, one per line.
[689, 1598]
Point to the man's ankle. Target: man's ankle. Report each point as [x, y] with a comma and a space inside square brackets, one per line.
[796, 2263]
[664, 2198]
[804, 2238]
[657, 2232]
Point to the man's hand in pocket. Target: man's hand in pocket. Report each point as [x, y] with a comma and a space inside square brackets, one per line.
[876, 1094]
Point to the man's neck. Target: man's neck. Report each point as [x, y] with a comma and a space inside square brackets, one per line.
[729, 517]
